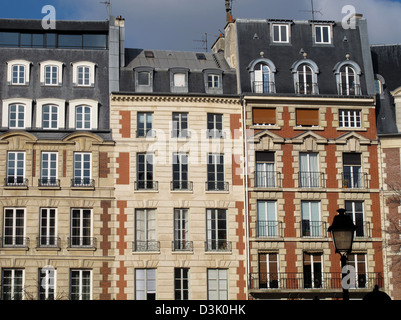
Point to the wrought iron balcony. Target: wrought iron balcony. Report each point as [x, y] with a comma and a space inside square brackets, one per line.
[269, 229]
[48, 242]
[82, 242]
[309, 179]
[182, 185]
[16, 182]
[182, 245]
[307, 280]
[146, 185]
[267, 179]
[217, 186]
[349, 90]
[355, 180]
[218, 245]
[49, 182]
[263, 87]
[306, 88]
[313, 229]
[14, 242]
[143, 246]
[83, 182]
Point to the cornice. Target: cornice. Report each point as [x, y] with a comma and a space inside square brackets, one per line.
[175, 99]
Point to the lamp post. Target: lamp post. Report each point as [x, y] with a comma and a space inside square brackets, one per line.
[342, 231]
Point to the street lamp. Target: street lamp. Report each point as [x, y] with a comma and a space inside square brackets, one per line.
[342, 231]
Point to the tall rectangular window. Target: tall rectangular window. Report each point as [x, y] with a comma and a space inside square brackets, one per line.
[313, 270]
[181, 283]
[181, 230]
[144, 124]
[145, 172]
[217, 284]
[83, 117]
[265, 176]
[48, 173]
[352, 171]
[50, 117]
[215, 172]
[267, 219]
[268, 270]
[82, 169]
[81, 228]
[213, 81]
[355, 210]
[16, 117]
[80, 284]
[145, 284]
[311, 222]
[322, 34]
[180, 172]
[180, 125]
[14, 227]
[280, 33]
[358, 261]
[12, 284]
[216, 230]
[349, 118]
[18, 74]
[47, 284]
[47, 228]
[51, 75]
[145, 230]
[215, 125]
[84, 76]
[309, 175]
[16, 169]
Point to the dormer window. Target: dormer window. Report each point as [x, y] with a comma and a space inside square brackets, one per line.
[322, 34]
[83, 74]
[143, 79]
[305, 77]
[179, 80]
[348, 78]
[213, 81]
[280, 33]
[18, 72]
[262, 74]
[51, 73]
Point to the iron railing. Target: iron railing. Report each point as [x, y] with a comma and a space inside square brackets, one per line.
[82, 242]
[310, 179]
[143, 246]
[267, 179]
[306, 88]
[182, 245]
[355, 180]
[181, 185]
[146, 185]
[15, 182]
[218, 245]
[49, 182]
[313, 229]
[269, 229]
[48, 242]
[14, 242]
[349, 90]
[263, 87]
[217, 186]
[83, 182]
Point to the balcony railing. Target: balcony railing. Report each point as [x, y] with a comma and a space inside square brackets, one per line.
[216, 186]
[355, 180]
[269, 229]
[182, 185]
[15, 182]
[349, 90]
[83, 182]
[313, 229]
[49, 182]
[363, 230]
[218, 245]
[306, 88]
[306, 280]
[311, 179]
[267, 179]
[263, 87]
[82, 242]
[146, 133]
[146, 185]
[144, 246]
[14, 242]
[48, 242]
[182, 245]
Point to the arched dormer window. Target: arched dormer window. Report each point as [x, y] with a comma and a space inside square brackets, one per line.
[305, 77]
[262, 73]
[347, 76]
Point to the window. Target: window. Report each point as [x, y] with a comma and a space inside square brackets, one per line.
[48, 173]
[144, 125]
[179, 80]
[313, 270]
[349, 118]
[307, 117]
[12, 284]
[349, 84]
[352, 171]
[50, 117]
[268, 270]
[47, 281]
[216, 230]
[358, 261]
[180, 125]
[264, 116]
[265, 176]
[267, 219]
[355, 210]
[14, 227]
[180, 172]
[82, 170]
[213, 81]
[280, 33]
[144, 78]
[145, 284]
[305, 80]
[51, 75]
[181, 230]
[83, 74]
[47, 228]
[81, 228]
[16, 169]
[215, 125]
[80, 284]
[217, 284]
[83, 117]
[16, 116]
[311, 222]
[322, 34]
[309, 175]
[145, 172]
[145, 230]
[181, 283]
[262, 82]
[215, 173]
[18, 72]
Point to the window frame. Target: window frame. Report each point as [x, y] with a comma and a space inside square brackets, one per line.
[85, 239]
[43, 73]
[93, 104]
[181, 283]
[15, 168]
[149, 170]
[147, 131]
[148, 231]
[267, 228]
[256, 74]
[47, 282]
[321, 34]
[18, 232]
[20, 294]
[149, 276]
[315, 231]
[50, 229]
[216, 230]
[287, 32]
[214, 125]
[59, 103]
[76, 66]
[179, 124]
[85, 180]
[217, 284]
[81, 294]
[180, 167]
[10, 72]
[215, 168]
[49, 179]
[351, 113]
[181, 229]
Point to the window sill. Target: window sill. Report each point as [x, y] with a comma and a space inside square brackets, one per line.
[218, 252]
[351, 129]
[15, 187]
[81, 249]
[49, 188]
[83, 188]
[48, 249]
[264, 126]
[182, 191]
[145, 252]
[313, 128]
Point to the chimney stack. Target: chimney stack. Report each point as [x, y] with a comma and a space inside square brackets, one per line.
[229, 16]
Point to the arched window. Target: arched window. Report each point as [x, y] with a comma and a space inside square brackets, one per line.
[347, 76]
[83, 117]
[305, 77]
[262, 76]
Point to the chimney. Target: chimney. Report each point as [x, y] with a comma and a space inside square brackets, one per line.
[229, 16]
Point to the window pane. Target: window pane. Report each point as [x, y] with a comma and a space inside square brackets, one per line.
[8, 39]
[95, 41]
[69, 41]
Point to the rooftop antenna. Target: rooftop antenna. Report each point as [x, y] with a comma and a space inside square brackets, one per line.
[313, 11]
[204, 43]
[109, 6]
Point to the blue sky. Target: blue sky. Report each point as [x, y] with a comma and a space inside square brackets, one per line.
[177, 24]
